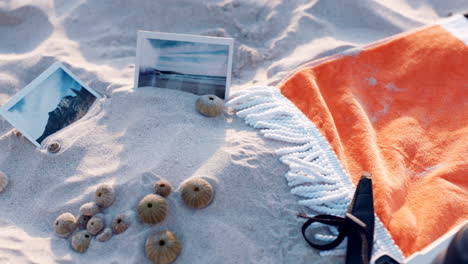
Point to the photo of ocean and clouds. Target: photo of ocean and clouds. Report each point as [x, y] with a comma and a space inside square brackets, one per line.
[199, 68]
[53, 104]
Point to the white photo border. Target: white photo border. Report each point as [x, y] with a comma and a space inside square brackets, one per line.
[33, 85]
[185, 37]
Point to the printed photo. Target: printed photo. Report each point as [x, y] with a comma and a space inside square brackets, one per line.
[51, 102]
[195, 64]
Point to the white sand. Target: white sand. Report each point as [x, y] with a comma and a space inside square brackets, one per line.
[134, 137]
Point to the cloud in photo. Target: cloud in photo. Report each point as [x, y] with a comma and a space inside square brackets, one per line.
[185, 57]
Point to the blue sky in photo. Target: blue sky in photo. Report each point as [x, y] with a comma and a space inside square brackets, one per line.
[185, 57]
[32, 112]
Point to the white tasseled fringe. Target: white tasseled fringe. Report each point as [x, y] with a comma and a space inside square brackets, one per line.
[315, 174]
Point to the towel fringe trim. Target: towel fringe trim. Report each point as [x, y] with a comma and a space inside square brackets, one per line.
[315, 173]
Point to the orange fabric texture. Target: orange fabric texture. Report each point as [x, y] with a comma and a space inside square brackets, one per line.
[398, 110]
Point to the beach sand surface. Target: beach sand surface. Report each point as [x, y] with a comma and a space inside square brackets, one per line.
[133, 137]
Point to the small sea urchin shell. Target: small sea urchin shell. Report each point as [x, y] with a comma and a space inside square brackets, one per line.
[163, 188]
[105, 235]
[65, 224]
[162, 247]
[104, 196]
[197, 193]
[82, 221]
[120, 223]
[152, 209]
[210, 105]
[80, 241]
[89, 209]
[3, 181]
[54, 147]
[95, 224]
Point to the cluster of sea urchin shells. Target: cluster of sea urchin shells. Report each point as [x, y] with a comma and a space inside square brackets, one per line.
[164, 247]
[91, 221]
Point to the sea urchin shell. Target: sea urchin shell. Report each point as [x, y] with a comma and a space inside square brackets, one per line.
[120, 223]
[152, 209]
[65, 224]
[163, 188]
[3, 181]
[95, 224]
[82, 221]
[54, 147]
[89, 209]
[162, 247]
[210, 105]
[80, 241]
[197, 193]
[104, 195]
[105, 235]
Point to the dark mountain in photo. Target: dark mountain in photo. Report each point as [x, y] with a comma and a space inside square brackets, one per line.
[69, 110]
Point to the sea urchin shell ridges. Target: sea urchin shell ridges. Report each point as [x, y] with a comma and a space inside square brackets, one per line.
[162, 247]
[197, 193]
[80, 241]
[89, 209]
[82, 221]
[105, 235]
[152, 209]
[210, 105]
[120, 223]
[104, 196]
[54, 147]
[65, 224]
[163, 188]
[95, 224]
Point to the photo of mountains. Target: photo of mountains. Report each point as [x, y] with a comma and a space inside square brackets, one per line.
[55, 103]
[69, 110]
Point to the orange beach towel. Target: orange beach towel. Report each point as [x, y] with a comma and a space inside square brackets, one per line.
[397, 109]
